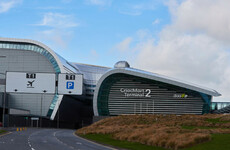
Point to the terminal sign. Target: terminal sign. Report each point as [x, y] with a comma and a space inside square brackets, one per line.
[22, 82]
[135, 92]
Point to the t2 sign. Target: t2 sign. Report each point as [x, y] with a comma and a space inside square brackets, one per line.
[70, 84]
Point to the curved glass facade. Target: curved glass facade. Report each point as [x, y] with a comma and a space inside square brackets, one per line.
[54, 101]
[40, 50]
[32, 47]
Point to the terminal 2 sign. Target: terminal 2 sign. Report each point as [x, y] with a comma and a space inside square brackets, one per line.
[135, 92]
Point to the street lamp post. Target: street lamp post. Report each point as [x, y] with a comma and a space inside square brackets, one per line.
[44, 91]
[58, 115]
[4, 102]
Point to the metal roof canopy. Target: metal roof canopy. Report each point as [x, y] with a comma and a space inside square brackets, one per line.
[152, 76]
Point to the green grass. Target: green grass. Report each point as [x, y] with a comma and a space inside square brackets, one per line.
[196, 127]
[216, 120]
[108, 140]
[2, 131]
[218, 142]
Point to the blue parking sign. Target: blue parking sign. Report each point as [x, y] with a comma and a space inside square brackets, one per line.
[69, 85]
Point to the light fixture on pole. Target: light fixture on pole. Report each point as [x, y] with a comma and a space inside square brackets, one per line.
[44, 91]
[4, 102]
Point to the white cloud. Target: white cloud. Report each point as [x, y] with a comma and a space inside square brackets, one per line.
[156, 21]
[50, 8]
[7, 5]
[194, 47]
[210, 17]
[93, 55]
[55, 37]
[66, 1]
[124, 45]
[138, 8]
[58, 20]
[60, 30]
[131, 13]
[99, 2]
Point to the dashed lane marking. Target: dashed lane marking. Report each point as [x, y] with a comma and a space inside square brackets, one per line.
[71, 147]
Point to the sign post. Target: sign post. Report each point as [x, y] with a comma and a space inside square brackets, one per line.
[44, 91]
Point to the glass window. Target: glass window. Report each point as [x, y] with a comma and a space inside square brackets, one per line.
[17, 46]
[21, 46]
[33, 48]
[11, 46]
[27, 47]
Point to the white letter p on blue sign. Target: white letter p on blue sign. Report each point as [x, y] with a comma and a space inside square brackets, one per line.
[69, 85]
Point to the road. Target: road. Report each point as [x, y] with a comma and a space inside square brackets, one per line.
[47, 139]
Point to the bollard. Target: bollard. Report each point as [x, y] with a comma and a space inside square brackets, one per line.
[17, 129]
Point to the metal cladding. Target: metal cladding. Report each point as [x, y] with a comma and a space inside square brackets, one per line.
[125, 90]
[133, 96]
[122, 64]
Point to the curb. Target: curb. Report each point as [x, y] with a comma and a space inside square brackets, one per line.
[94, 142]
[5, 134]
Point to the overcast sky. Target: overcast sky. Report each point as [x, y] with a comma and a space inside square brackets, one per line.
[184, 39]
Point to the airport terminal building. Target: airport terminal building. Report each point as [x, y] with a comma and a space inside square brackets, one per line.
[104, 91]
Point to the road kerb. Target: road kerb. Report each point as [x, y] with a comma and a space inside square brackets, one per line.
[5, 134]
[94, 142]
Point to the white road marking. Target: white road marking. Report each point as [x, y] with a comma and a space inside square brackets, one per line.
[93, 142]
[78, 143]
[61, 141]
[29, 141]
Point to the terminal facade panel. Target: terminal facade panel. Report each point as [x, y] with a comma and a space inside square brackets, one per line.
[125, 90]
[127, 94]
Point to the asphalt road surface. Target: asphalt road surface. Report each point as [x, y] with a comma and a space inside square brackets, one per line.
[47, 139]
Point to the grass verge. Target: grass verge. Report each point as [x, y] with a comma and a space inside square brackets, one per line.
[216, 120]
[196, 127]
[218, 142]
[108, 140]
[2, 132]
[165, 131]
